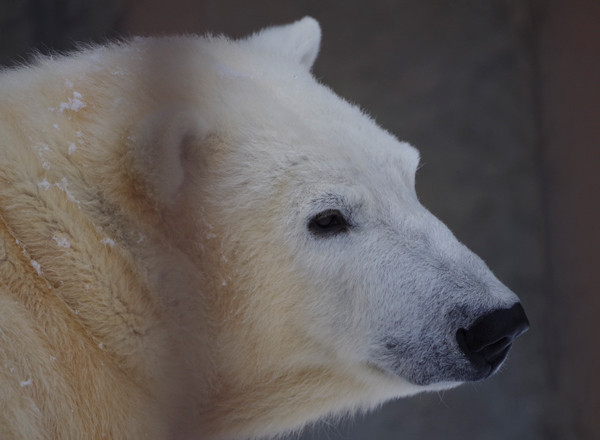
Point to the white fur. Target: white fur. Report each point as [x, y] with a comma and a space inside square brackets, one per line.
[158, 276]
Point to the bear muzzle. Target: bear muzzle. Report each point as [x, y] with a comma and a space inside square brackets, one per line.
[487, 342]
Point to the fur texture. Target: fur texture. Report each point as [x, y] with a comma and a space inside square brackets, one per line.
[157, 275]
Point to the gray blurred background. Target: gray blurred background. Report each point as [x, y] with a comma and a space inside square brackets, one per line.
[503, 100]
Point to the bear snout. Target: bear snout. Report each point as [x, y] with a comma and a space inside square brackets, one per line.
[487, 342]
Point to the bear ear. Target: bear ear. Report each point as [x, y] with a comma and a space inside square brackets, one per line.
[159, 146]
[299, 41]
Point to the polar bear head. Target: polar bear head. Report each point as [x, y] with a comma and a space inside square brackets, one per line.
[329, 285]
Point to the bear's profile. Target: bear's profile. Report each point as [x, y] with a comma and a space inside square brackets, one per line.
[199, 240]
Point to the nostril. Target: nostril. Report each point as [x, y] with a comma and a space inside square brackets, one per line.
[496, 347]
[495, 353]
[488, 341]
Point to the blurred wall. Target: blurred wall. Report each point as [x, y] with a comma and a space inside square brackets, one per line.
[47, 25]
[501, 98]
[568, 59]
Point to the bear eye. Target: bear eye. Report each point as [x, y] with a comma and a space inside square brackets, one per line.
[327, 223]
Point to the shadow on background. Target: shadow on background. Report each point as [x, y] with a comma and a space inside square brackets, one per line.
[503, 100]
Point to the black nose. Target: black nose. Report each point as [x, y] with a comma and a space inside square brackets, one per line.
[487, 341]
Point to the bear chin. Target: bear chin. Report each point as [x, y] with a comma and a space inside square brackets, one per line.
[435, 371]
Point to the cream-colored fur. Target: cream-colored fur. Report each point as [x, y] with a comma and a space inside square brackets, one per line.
[156, 276]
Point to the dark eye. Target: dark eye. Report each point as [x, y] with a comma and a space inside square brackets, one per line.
[326, 223]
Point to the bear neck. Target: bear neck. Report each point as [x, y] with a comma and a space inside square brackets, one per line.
[158, 290]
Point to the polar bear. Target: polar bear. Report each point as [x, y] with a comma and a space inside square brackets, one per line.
[199, 240]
